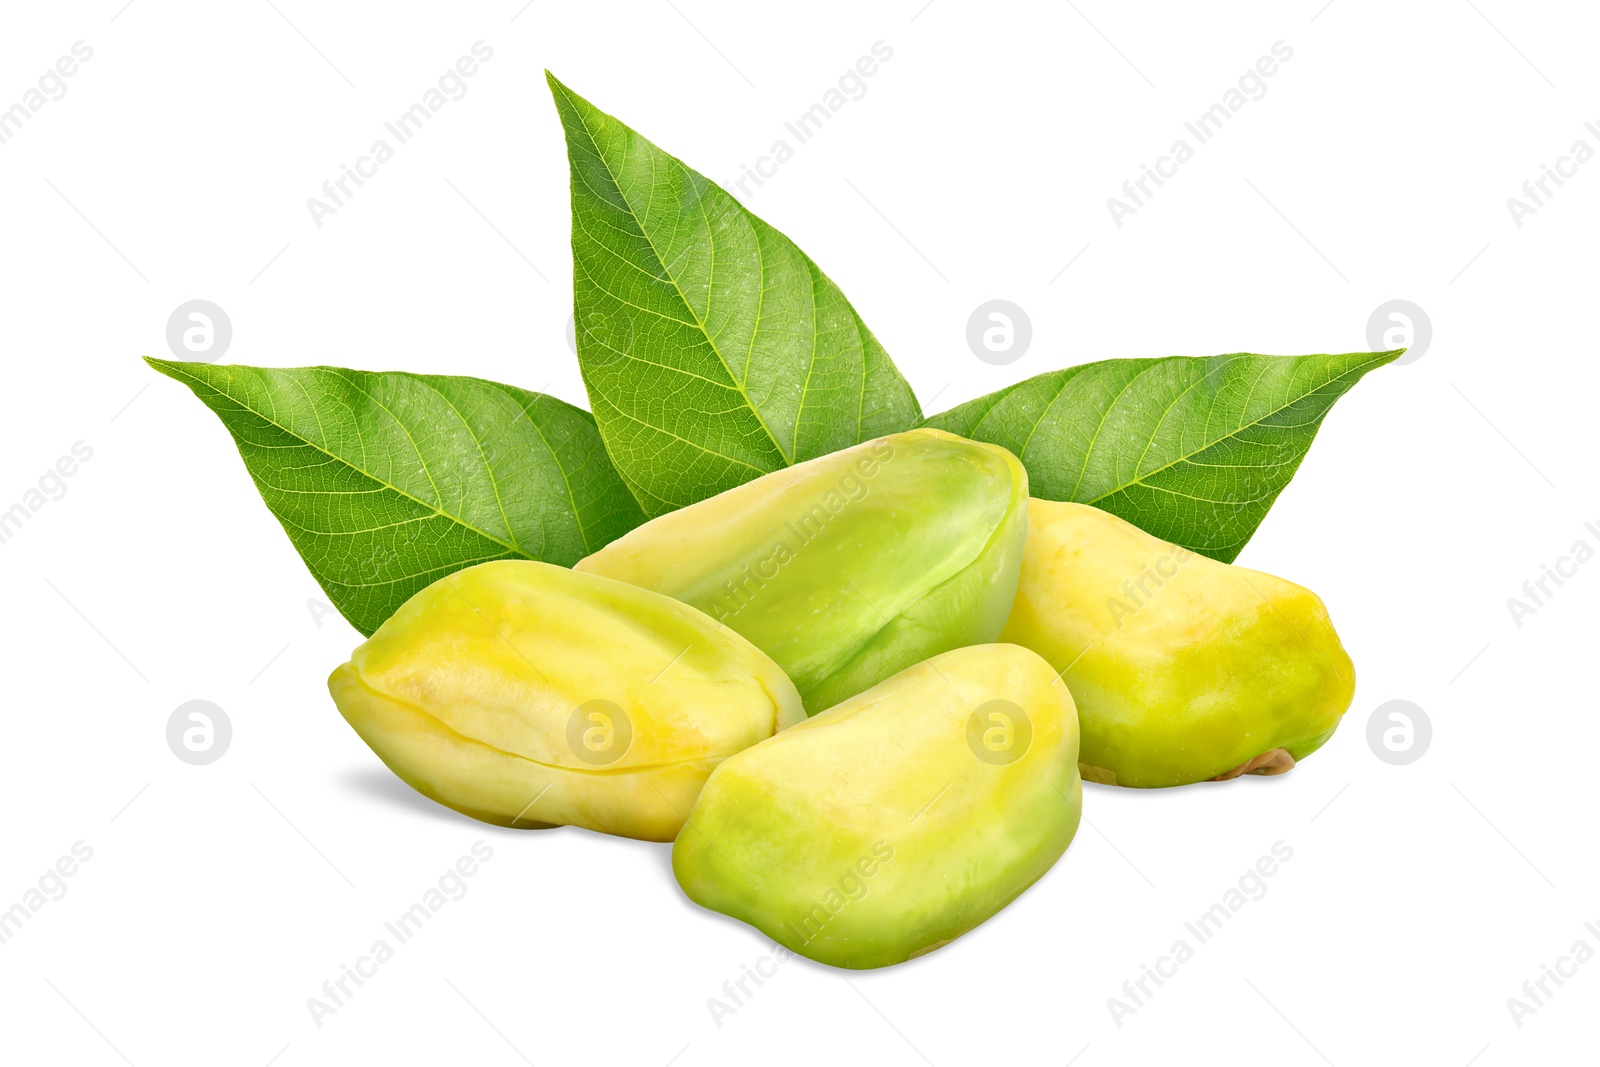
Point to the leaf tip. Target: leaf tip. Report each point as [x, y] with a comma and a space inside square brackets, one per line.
[558, 88]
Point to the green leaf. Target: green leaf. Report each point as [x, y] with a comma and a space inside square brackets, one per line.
[386, 482]
[713, 349]
[1194, 450]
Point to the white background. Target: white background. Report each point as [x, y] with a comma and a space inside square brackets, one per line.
[1377, 166]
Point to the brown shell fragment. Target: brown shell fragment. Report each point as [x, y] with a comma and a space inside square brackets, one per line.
[1272, 761]
[1100, 775]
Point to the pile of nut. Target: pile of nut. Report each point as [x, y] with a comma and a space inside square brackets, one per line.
[860, 694]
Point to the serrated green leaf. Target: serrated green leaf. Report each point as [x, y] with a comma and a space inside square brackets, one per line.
[1194, 450]
[713, 349]
[388, 481]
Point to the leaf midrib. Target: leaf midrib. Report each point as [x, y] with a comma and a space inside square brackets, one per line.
[1236, 431]
[1070, 373]
[272, 421]
[566, 478]
[701, 326]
